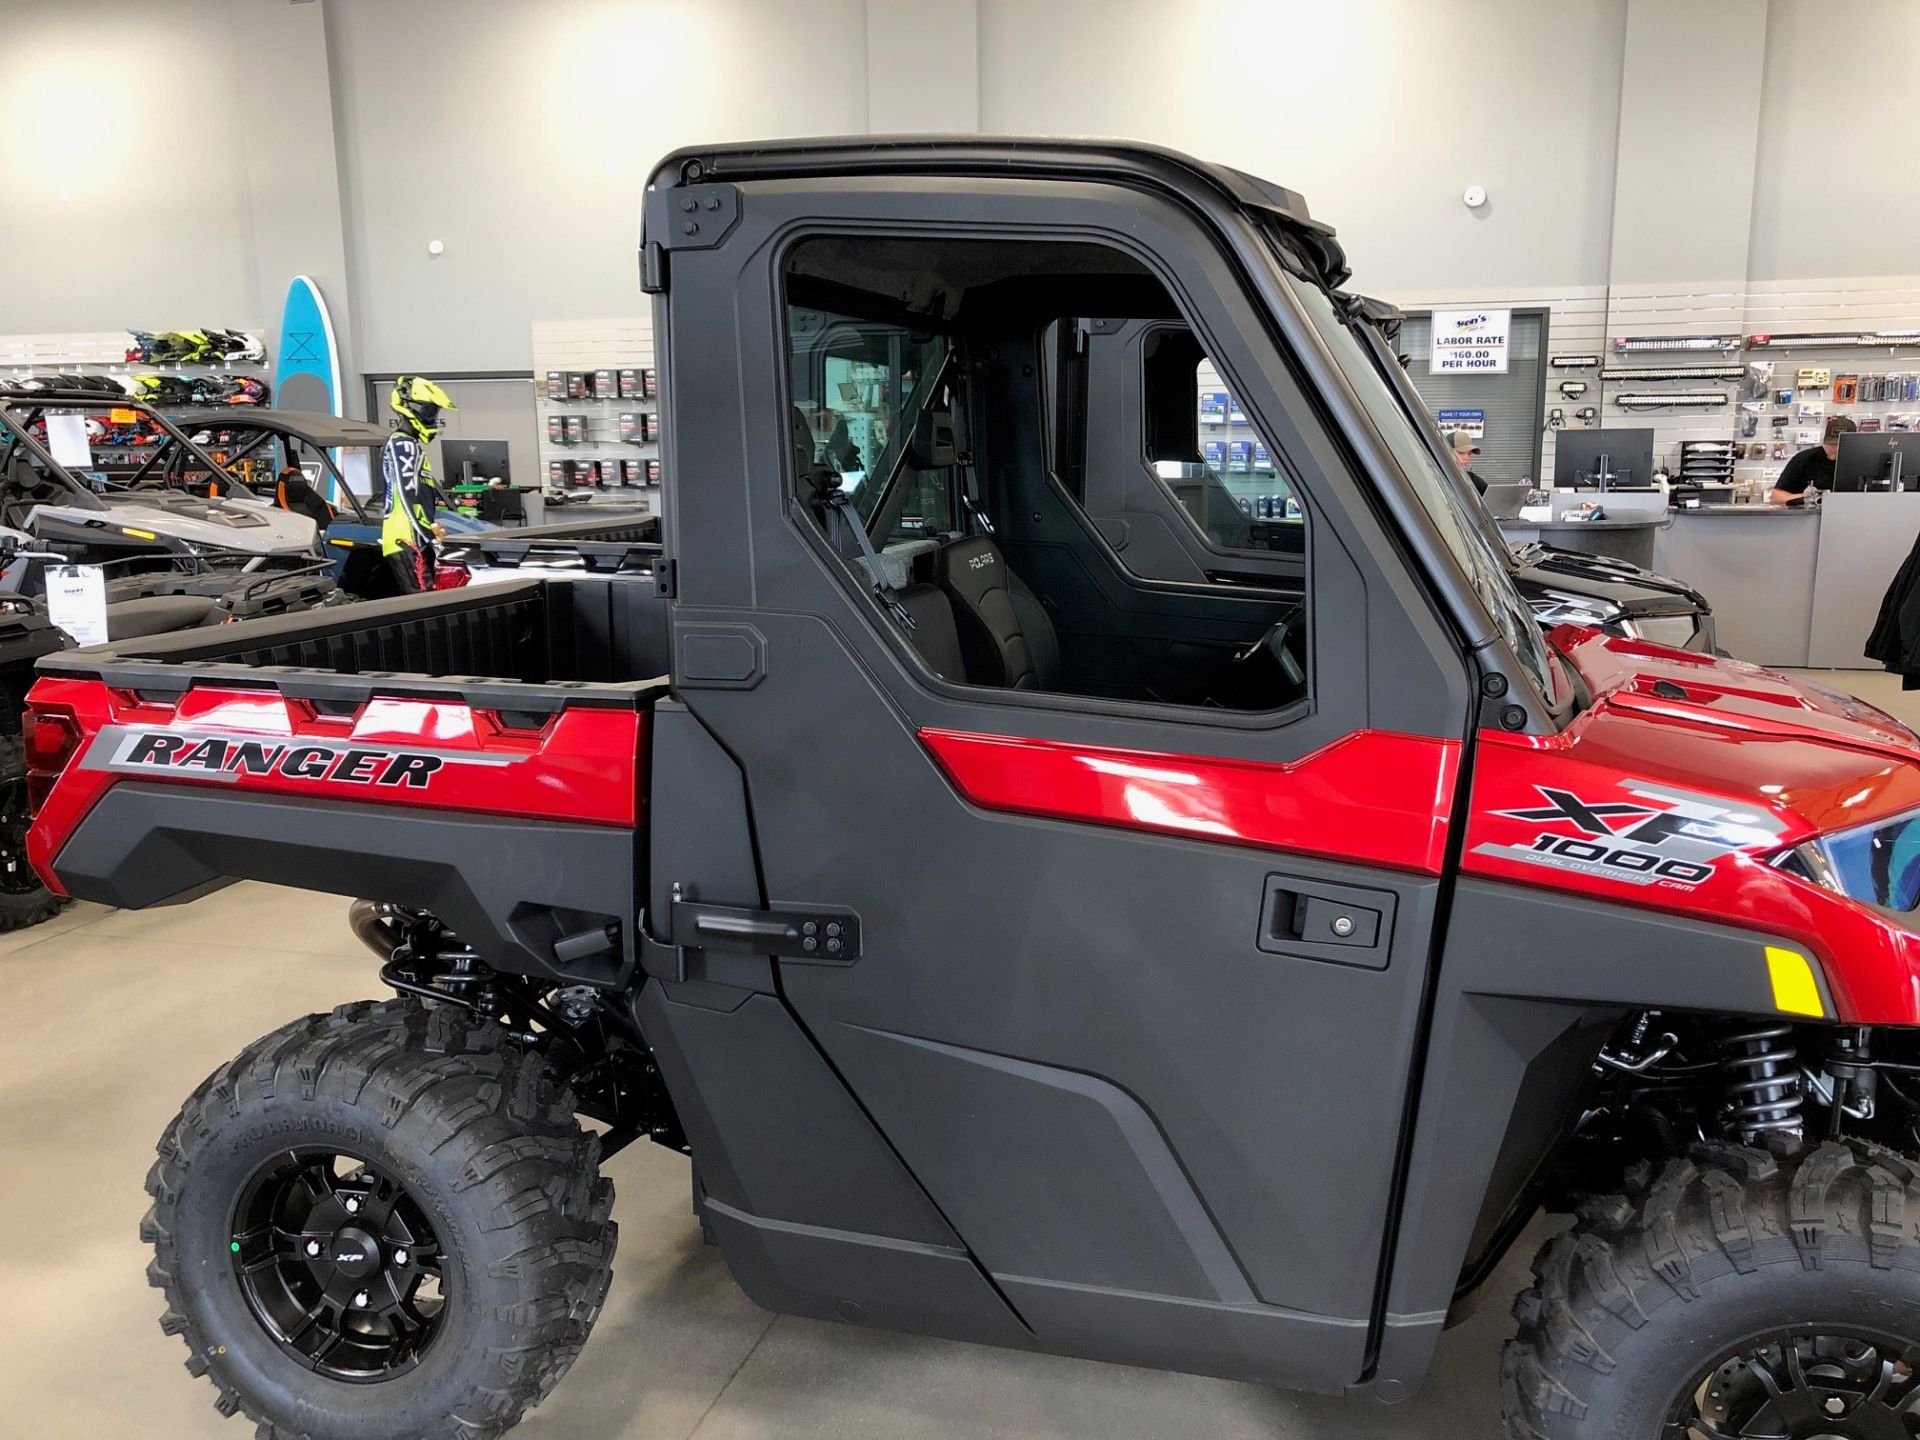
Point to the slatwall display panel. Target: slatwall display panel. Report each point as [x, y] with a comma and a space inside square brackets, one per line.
[1236, 451]
[1699, 309]
[100, 352]
[1576, 325]
[620, 343]
[1853, 305]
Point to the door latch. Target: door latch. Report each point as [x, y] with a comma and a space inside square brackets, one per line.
[1318, 920]
[820, 934]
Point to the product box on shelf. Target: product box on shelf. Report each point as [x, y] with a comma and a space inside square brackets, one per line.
[576, 427]
[557, 432]
[556, 384]
[653, 471]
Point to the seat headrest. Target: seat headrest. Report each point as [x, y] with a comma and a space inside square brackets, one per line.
[931, 445]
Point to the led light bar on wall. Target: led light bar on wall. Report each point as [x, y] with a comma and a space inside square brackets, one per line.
[1644, 344]
[1673, 372]
[1871, 340]
[1574, 362]
[1670, 399]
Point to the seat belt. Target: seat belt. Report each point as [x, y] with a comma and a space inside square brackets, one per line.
[963, 454]
[840, 505]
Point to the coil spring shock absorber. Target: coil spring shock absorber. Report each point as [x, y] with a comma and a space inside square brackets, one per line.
[1763, 1081]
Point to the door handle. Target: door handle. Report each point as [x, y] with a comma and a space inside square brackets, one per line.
[1318, 920]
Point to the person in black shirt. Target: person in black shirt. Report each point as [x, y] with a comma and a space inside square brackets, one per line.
[1813, 465]
[1465, 447]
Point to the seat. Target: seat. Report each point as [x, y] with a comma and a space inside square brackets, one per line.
[293, 492]
[1006, 637]
[933, 634]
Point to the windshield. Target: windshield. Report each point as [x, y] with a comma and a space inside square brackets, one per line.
[1370, 368]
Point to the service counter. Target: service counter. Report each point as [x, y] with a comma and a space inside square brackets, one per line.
[1628, 540]
[1797, 587]
[1757, 565]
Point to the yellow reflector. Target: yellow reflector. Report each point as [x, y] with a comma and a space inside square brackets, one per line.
[1794, 989]
[343, 544]
[139, 534]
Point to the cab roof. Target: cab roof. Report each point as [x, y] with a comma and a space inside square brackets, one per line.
[314, 427]
[1127, 161]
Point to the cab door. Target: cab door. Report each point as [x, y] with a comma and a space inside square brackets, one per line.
[1133, 989]
[1177, 477]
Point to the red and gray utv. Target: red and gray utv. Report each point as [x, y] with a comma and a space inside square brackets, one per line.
[1212, 971]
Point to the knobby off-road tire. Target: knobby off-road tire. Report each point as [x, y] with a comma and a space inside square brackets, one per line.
[24, 900]
[1724, 1253]
[482, 1138]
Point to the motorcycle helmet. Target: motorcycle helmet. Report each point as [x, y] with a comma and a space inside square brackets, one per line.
[419, 402]
[245, 390]
[165, 389]
[172, 346]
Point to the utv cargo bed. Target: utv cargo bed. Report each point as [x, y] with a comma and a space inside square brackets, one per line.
[533, 644]
[477, 752]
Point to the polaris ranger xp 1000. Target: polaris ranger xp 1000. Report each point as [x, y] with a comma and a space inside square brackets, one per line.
[1213, 973]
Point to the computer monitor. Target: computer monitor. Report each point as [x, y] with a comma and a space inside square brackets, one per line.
[1881, 460]
[468, 462]
[1603, 459]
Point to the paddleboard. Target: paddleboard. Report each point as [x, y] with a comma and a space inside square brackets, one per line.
[307, 361]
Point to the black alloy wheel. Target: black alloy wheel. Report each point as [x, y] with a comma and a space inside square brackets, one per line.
[338, 1264]
[1804, 1386]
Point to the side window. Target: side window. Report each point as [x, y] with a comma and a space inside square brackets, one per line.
[858, 388]
[919, 370]
[1204, 449]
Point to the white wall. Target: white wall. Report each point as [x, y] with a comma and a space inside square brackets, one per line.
[1381, 112]
[123, 192]
[341, 136]
[1836, 186]
[522, 135]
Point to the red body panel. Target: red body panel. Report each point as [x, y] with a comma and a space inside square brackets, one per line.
[582, 766]
[1723, 763]
[1376, 797]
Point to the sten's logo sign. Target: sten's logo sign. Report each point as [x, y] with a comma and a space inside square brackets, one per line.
[1469, 342]
[185, 754]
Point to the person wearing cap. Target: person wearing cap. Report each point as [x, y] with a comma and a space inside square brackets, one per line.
[1465, 447]
[1813, 466]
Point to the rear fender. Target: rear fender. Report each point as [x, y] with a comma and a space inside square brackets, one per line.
[518, 830]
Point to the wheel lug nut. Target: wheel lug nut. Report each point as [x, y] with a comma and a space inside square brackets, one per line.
[1835, 1405]
[313, 1247]
[353, 1205]
[360, 1300]
[399, 1257]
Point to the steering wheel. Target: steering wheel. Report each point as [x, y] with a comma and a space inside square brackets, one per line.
[1279, 643]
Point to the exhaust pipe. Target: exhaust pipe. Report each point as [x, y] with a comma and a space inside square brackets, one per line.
[373, 921]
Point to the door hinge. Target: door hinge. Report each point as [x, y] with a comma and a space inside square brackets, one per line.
[653, 268]
[688, 217]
